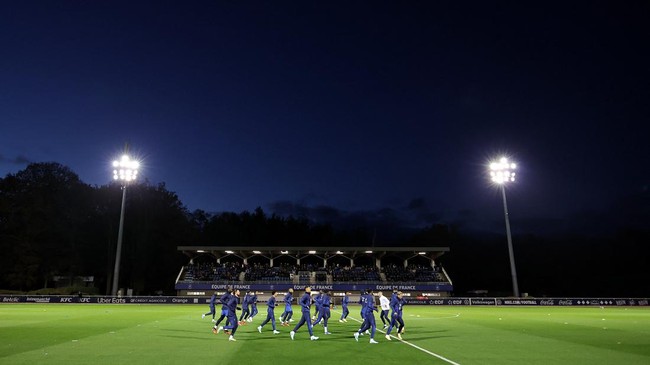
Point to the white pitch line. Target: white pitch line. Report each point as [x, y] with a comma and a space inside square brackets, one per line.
[413, 345]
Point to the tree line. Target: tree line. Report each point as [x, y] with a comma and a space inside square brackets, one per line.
[52, 224]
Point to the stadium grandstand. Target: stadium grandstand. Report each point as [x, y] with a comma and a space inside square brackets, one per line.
[413, 270]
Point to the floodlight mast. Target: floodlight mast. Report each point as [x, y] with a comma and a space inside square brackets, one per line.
[502, 173]
[125, 170]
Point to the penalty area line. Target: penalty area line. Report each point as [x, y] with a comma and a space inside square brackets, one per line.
[412, 345]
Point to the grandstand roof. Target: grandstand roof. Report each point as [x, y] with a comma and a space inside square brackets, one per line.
[313, 250]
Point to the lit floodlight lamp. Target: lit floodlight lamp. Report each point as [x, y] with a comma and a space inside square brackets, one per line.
[200, 251]
[284, 252]
[368, 251]
[312, 252]
[257, 252]
[501, 173]
[229, 252]
[124, 170]
[422, 253]
[339, 252]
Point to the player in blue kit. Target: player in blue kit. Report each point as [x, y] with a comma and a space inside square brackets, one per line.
[344, 307]
[253, 302]
[213, 302]
[305, 306]
[369, 317]
[396, 305]
[324, 313]
[270, 314]
[288, 311]
[246, 311]
[224, 309]
[362, 301]
[317, 304]
[233, 300]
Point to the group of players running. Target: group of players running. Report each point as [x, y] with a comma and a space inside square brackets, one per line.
[322, 301]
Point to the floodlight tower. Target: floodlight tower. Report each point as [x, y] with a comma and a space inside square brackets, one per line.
[502, 173]
[125, 170]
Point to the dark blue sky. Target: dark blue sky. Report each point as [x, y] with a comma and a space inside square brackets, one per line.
[359, 106]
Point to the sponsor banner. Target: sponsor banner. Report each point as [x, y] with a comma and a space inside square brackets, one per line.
[337, 287]
[12, 299]
[483, 301]
[34, 299]
[531, 301]
[441, 301]
[578, 302]
[99, 300]
[525, 301]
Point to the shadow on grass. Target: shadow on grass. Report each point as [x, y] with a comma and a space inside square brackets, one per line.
[203, 338]
[419, 332]
[209, 330]
[417, 338]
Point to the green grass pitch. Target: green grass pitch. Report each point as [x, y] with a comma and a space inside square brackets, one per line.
[176, 334]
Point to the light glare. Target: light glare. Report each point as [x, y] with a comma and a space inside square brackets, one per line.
[501, 172]
[128, 169]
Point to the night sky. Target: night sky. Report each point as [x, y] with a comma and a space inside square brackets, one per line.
[355, 106]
